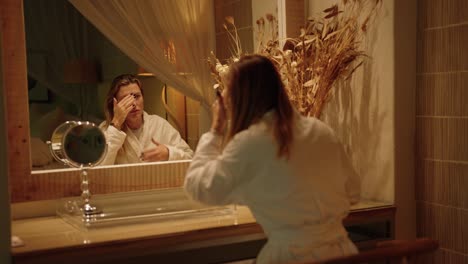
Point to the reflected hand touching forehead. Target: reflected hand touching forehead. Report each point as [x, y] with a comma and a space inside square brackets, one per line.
[129, 90]
[130, 95]
[128, 106]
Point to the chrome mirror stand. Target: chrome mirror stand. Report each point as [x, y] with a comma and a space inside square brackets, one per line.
[87, 209]
[82, 145]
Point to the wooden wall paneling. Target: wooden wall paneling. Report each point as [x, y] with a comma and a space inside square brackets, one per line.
[176, 102]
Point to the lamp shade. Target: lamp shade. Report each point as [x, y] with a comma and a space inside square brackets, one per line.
[80, 71]
[143, 72]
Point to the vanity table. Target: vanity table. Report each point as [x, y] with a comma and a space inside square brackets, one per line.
[191, 240]
[156, 225]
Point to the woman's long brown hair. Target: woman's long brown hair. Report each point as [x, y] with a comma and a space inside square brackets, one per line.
[255, 88]
[119, 81]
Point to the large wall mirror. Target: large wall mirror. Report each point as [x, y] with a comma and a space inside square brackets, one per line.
[52, 39]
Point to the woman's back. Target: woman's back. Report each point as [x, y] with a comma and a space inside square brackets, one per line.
[311, 184]
[300, 202]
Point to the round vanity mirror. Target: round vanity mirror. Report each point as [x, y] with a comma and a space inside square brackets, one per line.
[81, 145]
[78, 144]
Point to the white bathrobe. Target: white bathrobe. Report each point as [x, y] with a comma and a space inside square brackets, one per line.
[300, 203]
[125, 147]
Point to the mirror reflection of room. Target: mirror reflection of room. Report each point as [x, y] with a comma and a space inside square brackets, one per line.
[132, 134]
[71, 66]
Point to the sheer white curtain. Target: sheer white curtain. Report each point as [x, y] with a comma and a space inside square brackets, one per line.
[48, 53]
[139, 28]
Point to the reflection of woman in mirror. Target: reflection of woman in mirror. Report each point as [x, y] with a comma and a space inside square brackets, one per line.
[132, 134]
[290, 170]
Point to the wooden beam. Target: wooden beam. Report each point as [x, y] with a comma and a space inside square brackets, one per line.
[16, 92]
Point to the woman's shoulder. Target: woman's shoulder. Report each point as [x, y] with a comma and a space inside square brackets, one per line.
[319, 124]
[255, 137]
[316, 127]
[156, 120]
[153, 117]
[253, 142]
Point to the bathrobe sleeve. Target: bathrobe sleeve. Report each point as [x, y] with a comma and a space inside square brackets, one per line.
[216, 177]
[163, 132]
[115, 138]
[178, 148]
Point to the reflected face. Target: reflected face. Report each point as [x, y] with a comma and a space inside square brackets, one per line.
[134, 119]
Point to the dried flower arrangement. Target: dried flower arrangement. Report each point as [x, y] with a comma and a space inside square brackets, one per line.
[218, 69]
[327, 50]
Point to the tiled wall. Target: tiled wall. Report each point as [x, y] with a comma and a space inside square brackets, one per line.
[442, 127]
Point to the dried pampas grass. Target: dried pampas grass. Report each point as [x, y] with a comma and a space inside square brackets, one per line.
[327, 50]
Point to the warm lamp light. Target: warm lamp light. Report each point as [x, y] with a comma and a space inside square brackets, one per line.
[168, 49]
[144, 73]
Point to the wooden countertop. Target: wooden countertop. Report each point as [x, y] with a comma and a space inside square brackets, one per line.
[51, 239]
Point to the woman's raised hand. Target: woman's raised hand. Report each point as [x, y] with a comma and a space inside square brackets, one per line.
[121, 110]
[158, 153]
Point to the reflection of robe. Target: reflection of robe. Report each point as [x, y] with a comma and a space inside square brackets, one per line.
[300, 202]
[125, 147]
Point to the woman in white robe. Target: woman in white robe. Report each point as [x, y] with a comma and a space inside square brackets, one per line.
[291, 171]
[134, 136]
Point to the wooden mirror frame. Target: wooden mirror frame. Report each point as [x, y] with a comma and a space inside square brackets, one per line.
[26, 185]
[16, 93]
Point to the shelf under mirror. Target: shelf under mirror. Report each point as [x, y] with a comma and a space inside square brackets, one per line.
[158, 205]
